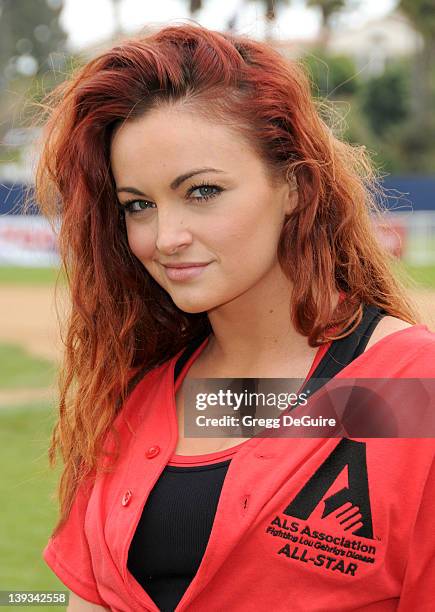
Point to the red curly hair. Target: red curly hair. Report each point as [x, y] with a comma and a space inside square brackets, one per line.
[121, 321]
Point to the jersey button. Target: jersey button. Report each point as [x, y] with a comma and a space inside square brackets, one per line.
[127, 497]
[152, 451]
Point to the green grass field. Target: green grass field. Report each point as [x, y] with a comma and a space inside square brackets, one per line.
[27, 512]
[28, 276]
[424, 275]
[19, 370]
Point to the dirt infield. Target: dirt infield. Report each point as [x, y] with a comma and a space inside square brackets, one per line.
[28, 317]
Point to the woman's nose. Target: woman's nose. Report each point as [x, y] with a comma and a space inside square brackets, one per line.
[172, 233]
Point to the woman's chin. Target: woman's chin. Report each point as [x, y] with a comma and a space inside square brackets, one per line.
[190, 307]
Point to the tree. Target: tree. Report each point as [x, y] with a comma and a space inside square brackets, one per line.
[29, 32]
[116, 6]
[385, 99]
[332, 76]
[32, 50]
[421, 14]
[194, 7]
[328, 8]
[271, 8]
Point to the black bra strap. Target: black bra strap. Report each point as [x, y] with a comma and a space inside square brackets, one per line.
[342, 352]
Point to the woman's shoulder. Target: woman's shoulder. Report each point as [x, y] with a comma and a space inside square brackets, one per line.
[397, 348]
[388, 325]
[392, 330]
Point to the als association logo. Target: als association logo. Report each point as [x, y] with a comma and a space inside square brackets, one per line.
[345, 515]
[353, 455]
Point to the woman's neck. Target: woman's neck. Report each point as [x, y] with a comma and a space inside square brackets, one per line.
[255, 332]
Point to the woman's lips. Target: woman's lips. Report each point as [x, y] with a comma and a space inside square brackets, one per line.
[184, 273]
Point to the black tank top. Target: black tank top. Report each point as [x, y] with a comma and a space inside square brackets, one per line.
[173, 531]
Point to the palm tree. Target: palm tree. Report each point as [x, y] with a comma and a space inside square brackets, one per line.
[421, 13]
[328, 8]
[271, 8]
[116, 6]
[194, 7]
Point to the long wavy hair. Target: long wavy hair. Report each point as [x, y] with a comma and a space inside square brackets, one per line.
[121, 322]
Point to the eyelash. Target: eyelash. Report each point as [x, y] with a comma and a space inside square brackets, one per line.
[127, 204]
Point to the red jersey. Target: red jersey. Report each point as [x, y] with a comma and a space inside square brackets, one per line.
[272, 544]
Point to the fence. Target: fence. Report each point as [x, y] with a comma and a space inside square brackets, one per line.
[407, 232]
[410, 236]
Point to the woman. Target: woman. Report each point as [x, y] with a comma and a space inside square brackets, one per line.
[213, 224]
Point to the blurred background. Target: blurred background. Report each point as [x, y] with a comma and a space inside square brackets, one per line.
[371, 59]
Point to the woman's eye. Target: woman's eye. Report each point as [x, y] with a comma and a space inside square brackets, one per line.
[134, 206]
[137, 206]
[207, 188]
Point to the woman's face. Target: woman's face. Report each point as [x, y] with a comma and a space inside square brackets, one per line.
[228, 217]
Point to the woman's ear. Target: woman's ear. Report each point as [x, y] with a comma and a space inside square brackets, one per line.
[292, 195]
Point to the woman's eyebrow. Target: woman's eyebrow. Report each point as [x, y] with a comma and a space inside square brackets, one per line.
[175, 183]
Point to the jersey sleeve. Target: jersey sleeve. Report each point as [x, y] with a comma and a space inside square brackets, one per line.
[68, 555]
[419, 583]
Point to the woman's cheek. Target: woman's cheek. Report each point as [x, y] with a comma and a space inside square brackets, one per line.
[141, 241]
